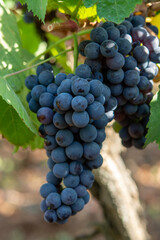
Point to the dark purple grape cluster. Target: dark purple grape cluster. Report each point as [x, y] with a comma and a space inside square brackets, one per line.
[71, 111]
[125, 56]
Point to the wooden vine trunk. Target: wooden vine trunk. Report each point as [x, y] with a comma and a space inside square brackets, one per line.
[118, 195]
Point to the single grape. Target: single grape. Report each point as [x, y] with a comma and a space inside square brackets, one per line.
[58, 155]
[50, 163]
[86, 198]
[81, 190]
[80, 86]
[96, 163]
[65, 86]
[79, 103]
[71, 181]
[87, 178]
[151, 42]
[94, 64]
[64, 212]
[61, 170]
[136, 130]
[92, 51]
[52, 88]
[34, 105]
[138, 21]
[50, 143]
[43, 206]
[113, 33]
[116, 90]
[141, 53]
[139, 34]
[83, 71]
[122, 29]
[101, 135]
[91, 150]
[124, 46]
[53, 200]
[63, 101]
[59, 121]
[116, 62]
[102, 122]
[75, 168]
[31, 81]
[45, 115]
[46, 77]
[69, 196]
[98, 35]
[130, 109]
[115, 77]
[43, 67]
[50, 216]
[59, 78]
[95, 110]
[90, 98]
[143, 110]
[80, 119]
[131, 78]
[46, 100]
[88, 133]
[106, 92]
[51, 178]
[111, 104]
[64, 137]
[96, 88]
[50, 129]
[37, 91]
[78, 205]
[130, 63]
[130, 93]
[46, 189]
[82, 46]
[108, 48]
[139, 143]
[128, 25]
[68, 118]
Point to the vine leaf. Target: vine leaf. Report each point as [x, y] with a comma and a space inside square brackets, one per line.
[113, 10]
[15, 122]
[38, 7]
[153, 124]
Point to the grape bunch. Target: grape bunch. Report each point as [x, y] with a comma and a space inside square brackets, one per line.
[125, 57]
[71, 111]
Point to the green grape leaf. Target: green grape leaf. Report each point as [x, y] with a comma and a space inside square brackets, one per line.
[31, 44]
[12, 127]
[153, 124]
[84, 12]
[90, 3]
[15, 122]
[11, 98]
[10, 48]
[38, 7]
[113, 10]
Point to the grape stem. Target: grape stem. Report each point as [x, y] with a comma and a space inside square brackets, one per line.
[75, 51]
[44, 61]
[74, 14]
[83, 32]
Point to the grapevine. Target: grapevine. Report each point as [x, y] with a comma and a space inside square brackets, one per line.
[113, 84]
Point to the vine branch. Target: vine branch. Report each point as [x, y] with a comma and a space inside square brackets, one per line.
[75, 51]
[83, 32]
[44, 61]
